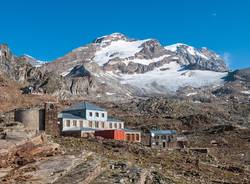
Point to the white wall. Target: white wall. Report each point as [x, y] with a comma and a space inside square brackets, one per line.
[94, 117]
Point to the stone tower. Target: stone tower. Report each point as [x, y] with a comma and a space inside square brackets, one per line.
[52, 127]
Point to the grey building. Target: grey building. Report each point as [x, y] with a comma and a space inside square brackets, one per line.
[163, 139]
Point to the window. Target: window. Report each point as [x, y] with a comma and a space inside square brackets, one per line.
[68, 123]
[74, 122]
[157, 137]
[163, 137]
[97, 114]
[103, 115]
[157, 143]
[128, 137]
[120, 126]
[115, 125]
[81, 123]
[90, 114]
[96, 124]
[110, 125]
[133, 137]
[102, 124]
[137, 137]
[90, 124]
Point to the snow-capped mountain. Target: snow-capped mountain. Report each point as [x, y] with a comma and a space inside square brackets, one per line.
[145, 65]
[121, 66]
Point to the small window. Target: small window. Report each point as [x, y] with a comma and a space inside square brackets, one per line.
[103, 115]
[157, 137]
[74, 122]
[68, 123]
[90, 114]
[102, 124]
[90, 124]
[97, 114]
[110, 125]
[115, 125]
[157, 143]
[133, 137]
[163, 137]
[128, 137]
[81, 123]
[96, 124]
[120, 126]
[137, 137]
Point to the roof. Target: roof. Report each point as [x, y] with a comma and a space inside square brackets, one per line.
[70, 116]
[162, 132]
[113, 119]
[68, 129]
[130, 130]
[85, 106]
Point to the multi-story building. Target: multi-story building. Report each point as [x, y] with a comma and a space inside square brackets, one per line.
[86, 119]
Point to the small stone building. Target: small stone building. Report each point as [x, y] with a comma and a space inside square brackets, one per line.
[32, 118]
[163, 139]
[40, 119]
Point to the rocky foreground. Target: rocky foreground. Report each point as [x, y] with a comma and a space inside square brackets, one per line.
[218, 147]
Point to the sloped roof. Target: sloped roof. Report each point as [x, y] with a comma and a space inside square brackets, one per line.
[85, 106]
[111, 119]
[162, 132]
[82, 129]
[130, 130]
[70, 116]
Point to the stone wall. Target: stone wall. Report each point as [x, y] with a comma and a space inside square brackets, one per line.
[52, 127]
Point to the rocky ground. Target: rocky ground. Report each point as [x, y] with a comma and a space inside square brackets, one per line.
[218, 147]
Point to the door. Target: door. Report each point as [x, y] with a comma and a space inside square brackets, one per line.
[164, 144]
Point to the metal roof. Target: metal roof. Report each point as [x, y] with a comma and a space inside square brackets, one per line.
[111, 119]
[70, 116]
[82, 129]
[85, 106]
[130, 130]
[162, 132]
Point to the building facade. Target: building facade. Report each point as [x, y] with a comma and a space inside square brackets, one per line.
[163, 139]
[87, 118]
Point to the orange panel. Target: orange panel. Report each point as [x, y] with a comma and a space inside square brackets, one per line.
[111, 134]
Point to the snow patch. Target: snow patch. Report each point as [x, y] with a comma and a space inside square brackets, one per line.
[142, 61]
[192, 94]
[109, 94]
[245, 92]
[173, 48]
[160, 81]
[35, 62]
[120, 48]
[191, 50]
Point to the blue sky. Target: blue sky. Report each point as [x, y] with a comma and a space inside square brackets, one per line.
[47, 29]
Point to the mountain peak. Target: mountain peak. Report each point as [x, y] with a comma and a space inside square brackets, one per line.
[111, 37]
